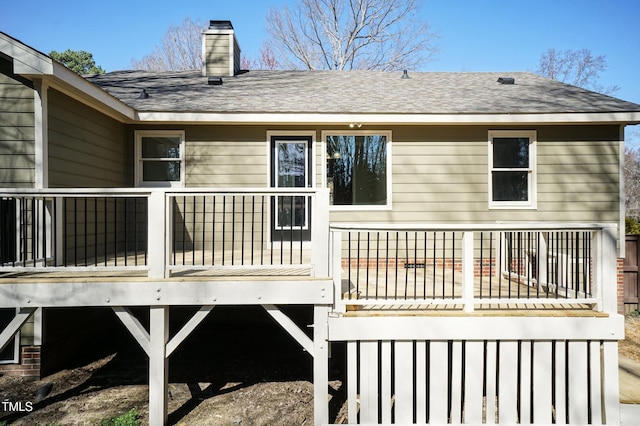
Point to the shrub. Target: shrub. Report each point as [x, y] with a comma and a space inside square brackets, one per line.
[631, 226]
[130, 418]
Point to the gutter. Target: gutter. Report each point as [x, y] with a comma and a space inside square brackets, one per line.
[631, 117]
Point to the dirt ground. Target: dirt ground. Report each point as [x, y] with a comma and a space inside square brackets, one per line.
[630, 346]
[266, 390]
[231, 373]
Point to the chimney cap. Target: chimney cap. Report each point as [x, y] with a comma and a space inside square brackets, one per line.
[220, 25]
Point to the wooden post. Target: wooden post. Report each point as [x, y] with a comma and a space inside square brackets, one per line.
[336, 270]
[542, 260]
[57, 231]
[320, 234]
[158, 364]
[156, 240]
[611, 397]
[605, 265]
[321, 364]
[467, 271]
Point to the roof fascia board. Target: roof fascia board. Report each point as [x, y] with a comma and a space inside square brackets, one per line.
[26, 61]
[434, 119]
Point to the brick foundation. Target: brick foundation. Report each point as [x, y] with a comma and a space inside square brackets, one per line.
[29, 366]
[620, 286]
[448, 264]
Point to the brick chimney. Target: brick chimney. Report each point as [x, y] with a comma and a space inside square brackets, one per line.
[220, 50]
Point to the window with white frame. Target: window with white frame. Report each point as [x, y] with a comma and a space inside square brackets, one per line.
[358, 168]
[160, 158]
[512, 169]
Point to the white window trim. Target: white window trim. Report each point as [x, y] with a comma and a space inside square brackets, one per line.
[139, 134]
[287, 133]
[359, 207]
[532, 202]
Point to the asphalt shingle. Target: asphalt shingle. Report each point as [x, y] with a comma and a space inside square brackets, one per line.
[354, 92]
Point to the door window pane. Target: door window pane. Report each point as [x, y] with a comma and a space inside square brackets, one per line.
[291, 165]
[292, 172]
[291, 212]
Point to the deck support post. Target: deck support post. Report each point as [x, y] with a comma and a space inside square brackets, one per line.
[158, 365]
[467, 270]
[321, 364]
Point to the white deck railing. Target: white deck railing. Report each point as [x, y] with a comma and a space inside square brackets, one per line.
[492, 266]
[163, 232]
[285, 232]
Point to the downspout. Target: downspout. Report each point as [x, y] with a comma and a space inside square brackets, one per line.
[622, 226]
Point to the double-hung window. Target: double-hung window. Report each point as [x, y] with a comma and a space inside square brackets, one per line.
[160, 158]
[358, 168]
[512, 169]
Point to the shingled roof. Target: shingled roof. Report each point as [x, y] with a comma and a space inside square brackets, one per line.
[355, 92]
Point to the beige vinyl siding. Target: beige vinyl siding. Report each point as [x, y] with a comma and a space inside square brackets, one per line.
[17, 135]
[218, 156]
[86, 148]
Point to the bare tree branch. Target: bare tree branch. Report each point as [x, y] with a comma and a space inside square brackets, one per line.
[180, 49]
[577, 67]
[266, 61]
[632, 182]
[351, 34]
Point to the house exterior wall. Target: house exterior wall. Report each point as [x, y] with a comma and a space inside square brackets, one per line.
[223, 156]
[439, 173]
[86, 148]
[17, 137]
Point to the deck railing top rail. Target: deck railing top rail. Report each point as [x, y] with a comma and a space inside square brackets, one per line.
[142, 191]
[473, 227]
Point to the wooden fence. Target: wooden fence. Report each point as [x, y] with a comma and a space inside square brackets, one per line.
[631, 275]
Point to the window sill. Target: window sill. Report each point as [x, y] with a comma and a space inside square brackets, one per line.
[342, 208]
[513, 206]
